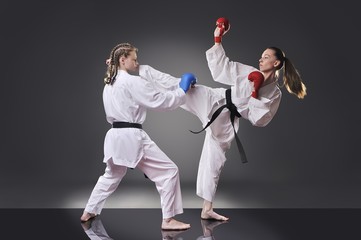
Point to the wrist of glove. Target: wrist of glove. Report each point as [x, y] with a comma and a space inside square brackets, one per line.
[217, 39]
[255, 94]
[218, 33]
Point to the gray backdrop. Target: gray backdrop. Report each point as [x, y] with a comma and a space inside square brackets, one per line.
[53, 123]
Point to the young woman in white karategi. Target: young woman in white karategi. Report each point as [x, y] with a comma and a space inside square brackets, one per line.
[126, 99]
[256, 101]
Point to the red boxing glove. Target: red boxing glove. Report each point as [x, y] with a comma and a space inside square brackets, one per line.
[223, 24]
[257, 78]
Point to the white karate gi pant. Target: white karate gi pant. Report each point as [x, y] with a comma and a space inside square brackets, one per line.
[202, 101]
[158, 168]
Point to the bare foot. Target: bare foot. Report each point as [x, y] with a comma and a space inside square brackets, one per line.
[211, 215]
[87, 216]
[172, 224]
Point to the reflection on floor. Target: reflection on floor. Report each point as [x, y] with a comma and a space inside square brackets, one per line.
[251, 195]
[229, 195]
[96, 230]
[139, 224]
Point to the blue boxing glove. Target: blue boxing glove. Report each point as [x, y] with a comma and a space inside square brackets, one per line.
[187, 80]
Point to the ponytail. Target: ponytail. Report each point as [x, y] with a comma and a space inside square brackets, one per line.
[291, 77]
[120, 50]
[292, 80]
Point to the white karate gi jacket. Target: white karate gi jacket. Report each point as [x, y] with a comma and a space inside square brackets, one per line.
[258, 111]
[127, 100]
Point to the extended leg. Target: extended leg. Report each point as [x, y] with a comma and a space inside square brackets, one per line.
[105, 186]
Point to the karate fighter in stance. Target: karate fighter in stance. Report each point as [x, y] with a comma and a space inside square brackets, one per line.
[254, 95]
[126, 99]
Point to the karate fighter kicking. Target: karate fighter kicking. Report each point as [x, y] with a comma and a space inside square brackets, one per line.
[254, 95]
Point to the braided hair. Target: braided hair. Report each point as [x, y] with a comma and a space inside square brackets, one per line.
[291, 77]
[120, 50]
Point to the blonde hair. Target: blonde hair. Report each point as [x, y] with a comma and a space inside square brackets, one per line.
[120, 50]
[291, 78]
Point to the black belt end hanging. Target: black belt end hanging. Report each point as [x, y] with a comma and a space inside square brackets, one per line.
[233, 113]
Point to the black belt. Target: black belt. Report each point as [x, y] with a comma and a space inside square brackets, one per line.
[233, 113]
[126, 125]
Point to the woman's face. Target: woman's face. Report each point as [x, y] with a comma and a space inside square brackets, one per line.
[268, 61]
[130, 63]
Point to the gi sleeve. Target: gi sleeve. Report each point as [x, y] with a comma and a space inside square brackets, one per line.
[161, 81]
[261, 111]
[144, 93]
[225, 71]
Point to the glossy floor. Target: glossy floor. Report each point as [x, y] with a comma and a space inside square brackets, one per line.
[139, 224]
